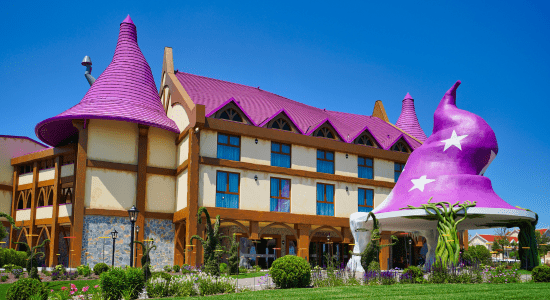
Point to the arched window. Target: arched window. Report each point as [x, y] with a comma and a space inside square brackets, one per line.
[231, 115]
[365, 140]
[324, 132]
[41, 196]
[400, 147]
[29, 197]
[281, 124]
[21, 200]
[50, 198]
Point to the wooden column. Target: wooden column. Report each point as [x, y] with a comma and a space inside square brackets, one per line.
[54, 232]
[303, 240]
[254, 230]
[13, 204]
[193, 199]
[385, 238]
[465, 239]
[31, 239]
[77, 218]
[141, 187]
[179, 243]
[346, 233]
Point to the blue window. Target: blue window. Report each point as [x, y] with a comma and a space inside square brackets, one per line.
[365, 168]
[229, 147]
[280, 195]
[280, 155]
[227, 189]
[398, 168]
[325, 161]
[325, 199]
[366, 200]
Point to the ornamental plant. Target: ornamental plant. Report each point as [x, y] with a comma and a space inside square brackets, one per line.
[176, 268]
[100, 268]
[233, 260]
[291, 271]
[147, 247]
[32, 260]
[541, 274]
[25, 288]
[211, 244]
[372, 251]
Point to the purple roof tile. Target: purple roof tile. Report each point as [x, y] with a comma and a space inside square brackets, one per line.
[408, 120]
[261, 106]
[125, 91]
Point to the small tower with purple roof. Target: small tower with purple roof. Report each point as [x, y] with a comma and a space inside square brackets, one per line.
[408, 120]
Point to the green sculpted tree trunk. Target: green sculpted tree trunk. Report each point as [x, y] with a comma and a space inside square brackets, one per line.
[32, 255]
[448, 244]
[212, 243]
[372, 251]
[146, 259]
[528, 248]
[233, 261]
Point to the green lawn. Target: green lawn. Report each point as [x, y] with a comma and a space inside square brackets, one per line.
[405, 291]
[250, 275]
[56, 285]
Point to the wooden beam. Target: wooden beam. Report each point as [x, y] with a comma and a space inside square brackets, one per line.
[161, 171]
[111, 165]
[182, 167]
[141, 186]
[193, 199]
[40, 184]
[105, 212]
[79, 191]
[270, 216]
[13, 203]
[54, 236]
[159, 215]
[32, 227]
[47, 221]
[5, 187]
[303, 240]
[180, 215]
[303, 140]
[217, 162]
[46, 153]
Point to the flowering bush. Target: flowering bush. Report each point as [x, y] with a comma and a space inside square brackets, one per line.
[501, 275]
[388, 277]
[190, 285]
[157, 288]
[265, 280]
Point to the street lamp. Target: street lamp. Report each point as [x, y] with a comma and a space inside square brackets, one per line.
[114, 235]
[135, 254]
[133, 214]
[410, 252]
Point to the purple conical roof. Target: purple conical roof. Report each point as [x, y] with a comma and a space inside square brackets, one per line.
[408, 120]
[125, 91]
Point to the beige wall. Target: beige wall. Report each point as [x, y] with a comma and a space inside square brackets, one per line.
[161, 149]
[161, 193]
[255, 153]
[113, 141]
[11, 147]
[345, 166]
[383, 170]
[67, 170]
[178, 114]
[109, 189]
[46, 174]
[208, 143]
[183, 150]
[44, 212]
[23, 215]
[25, 178]
[303, 194]
[181, 191]
[65, 210]
[304, 158]
[380, 194]
[5, 202]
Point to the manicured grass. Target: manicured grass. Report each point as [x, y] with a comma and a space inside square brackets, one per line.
[250, 275]
[525, 272]
[404, 291]
[56, 285]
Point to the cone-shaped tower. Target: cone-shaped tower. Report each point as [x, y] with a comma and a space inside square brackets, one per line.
[125, 91]
[408, 120]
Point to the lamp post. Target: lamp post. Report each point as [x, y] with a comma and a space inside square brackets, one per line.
[132, 213]
[410, 252]
[135, 254]
[114, 235]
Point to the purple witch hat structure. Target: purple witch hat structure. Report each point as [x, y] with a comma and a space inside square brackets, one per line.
[447, 170]
[125, 91]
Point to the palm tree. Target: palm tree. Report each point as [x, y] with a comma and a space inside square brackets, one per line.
[212, 248]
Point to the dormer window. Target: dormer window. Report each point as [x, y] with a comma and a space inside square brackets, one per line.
[231, 115]
[324, 132]
[365, 140]
[281, 124]
[400, 147]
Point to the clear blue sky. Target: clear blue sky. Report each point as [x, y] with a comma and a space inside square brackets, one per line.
[335, 55]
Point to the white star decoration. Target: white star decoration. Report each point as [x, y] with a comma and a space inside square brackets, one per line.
[453, 141]
[420, 183]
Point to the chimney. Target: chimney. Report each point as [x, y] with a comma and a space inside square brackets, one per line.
[87, 61]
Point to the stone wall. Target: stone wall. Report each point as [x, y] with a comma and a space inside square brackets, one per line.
[162, 231]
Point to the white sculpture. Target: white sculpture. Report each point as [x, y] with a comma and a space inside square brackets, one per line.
[362, 238]
[431, 241]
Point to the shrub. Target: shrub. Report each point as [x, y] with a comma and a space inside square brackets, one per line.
[135, 281]
[60, 269]
[157, 287]
[113, 283]
[4, 278]
[17, 272]
[25, 288]
[374, 266]
[46, 272]
[257, 268]
[167, 269]
[211, 285]
[290, 272]
[176, 268]
[388, 277]
[182, 286]
[162, 275]
[478, 254]
[243, 270]
[415, 275]
[10, 267]
[223, 268]
[541, 274]
[20, 258]
[100, 268]
[84, 270]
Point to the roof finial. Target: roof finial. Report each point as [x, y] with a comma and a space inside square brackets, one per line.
[408, 96]
[128, 20]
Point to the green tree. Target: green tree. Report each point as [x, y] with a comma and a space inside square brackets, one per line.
[32, 258]
[478, 253]
[233, 260]
[212, 249]
[372, 251]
